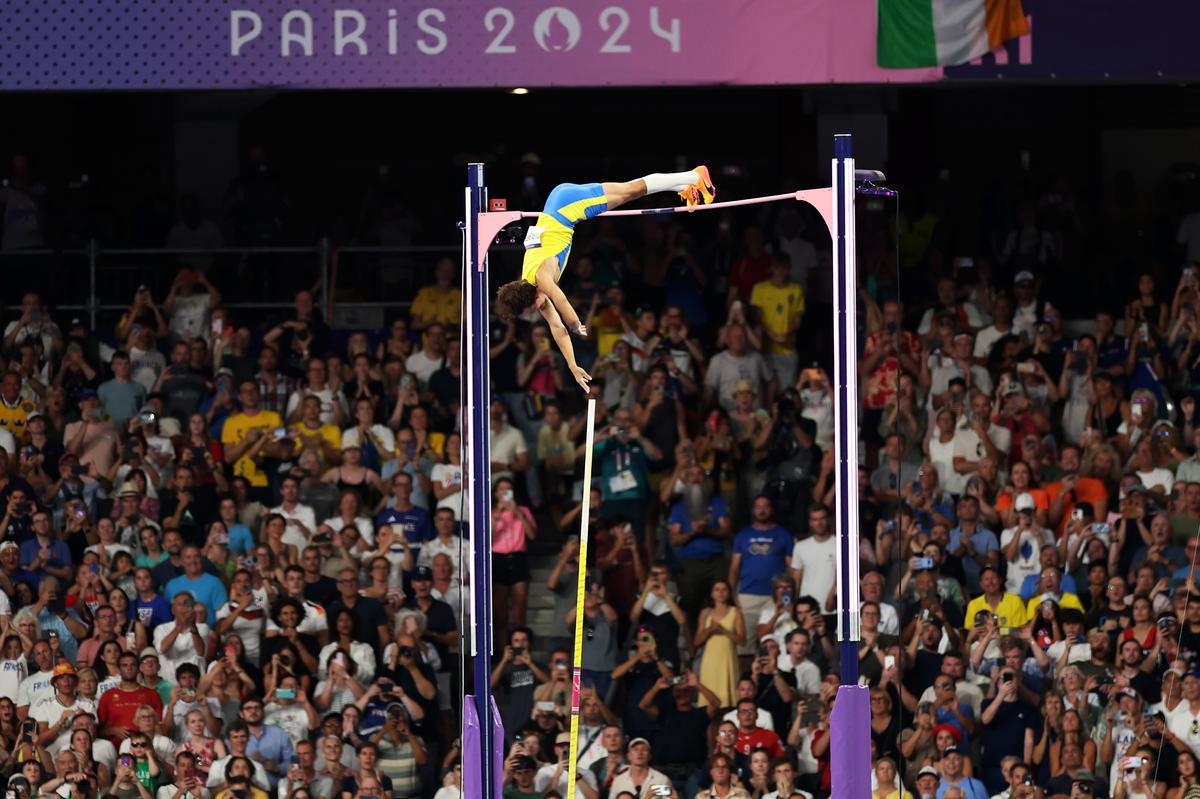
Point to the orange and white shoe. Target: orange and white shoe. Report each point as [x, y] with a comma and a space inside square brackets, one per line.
[702, 191]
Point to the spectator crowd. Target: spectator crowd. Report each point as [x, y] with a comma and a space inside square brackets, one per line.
[232, 561]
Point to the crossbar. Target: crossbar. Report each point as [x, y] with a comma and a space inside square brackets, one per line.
[492, 222]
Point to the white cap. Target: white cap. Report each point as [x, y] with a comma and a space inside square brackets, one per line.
[1025, 501]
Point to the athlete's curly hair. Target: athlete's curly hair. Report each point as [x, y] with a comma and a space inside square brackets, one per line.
[513, 298]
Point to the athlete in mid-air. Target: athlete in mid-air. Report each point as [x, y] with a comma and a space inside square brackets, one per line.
[548, 243]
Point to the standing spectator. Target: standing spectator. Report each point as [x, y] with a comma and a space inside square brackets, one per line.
[623, 456]
[780, 303]
[119, 705]
[122, 397]
[247, 434]
[813, 558]
[183, 641]
[953, 777]
[886, 353]
[760, 553]
[204, 588]
[975, 545]
[637, 777]
[1072, 489]
[736, 363]
[720, 630]
[1009, 725]
[699, 525]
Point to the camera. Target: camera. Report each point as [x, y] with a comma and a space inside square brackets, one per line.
[516, 650]
[675, 681]
[407, 651]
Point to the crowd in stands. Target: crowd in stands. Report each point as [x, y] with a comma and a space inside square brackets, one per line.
[232, 564]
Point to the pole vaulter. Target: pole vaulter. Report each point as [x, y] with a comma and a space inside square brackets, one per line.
[483, 733]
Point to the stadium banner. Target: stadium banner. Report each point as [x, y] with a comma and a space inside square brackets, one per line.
[309, 44]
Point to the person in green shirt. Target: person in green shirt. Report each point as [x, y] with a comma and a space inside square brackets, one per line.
[519, 771]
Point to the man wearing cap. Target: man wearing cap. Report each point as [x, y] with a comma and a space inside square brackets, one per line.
[553, 775]
[996, 601]
[953, 776]
[928, 780]
[519, 774]
[148, 674]
[55, 713]
[121, 396]
[637, 777]
[1021, 544]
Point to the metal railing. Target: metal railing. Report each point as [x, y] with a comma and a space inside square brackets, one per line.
[250, 278]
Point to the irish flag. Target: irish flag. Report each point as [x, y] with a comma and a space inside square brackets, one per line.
[943, 33]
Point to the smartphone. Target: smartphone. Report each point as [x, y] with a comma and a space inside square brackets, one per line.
[674, 681]
[888, 662]
[218, 326]
[285, 693]
[786, 599]
[126, 761]
[1006, 677]
[924, 563]
[518, 650]
[1026, 368]
[279, 432]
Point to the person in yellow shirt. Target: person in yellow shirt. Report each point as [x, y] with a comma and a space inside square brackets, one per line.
[441, 302]
[781, 305]
[14, 410]
[1008, 608]
[311, 433]
[249, 435]
[548, 244]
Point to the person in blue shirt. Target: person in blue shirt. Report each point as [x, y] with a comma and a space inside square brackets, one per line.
[406, 517]
[1031, 586]
[10, 565]
[44, 554]
[698, 525]
[148, 606]
[760, 552]
[268, 741]
[973, 543]
[241, 541]
[204, 587]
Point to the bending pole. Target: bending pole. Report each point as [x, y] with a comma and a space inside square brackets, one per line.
[488, 758]
[580, 594]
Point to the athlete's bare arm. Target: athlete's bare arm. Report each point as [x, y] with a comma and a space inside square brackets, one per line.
[562, 338]
[548, 287]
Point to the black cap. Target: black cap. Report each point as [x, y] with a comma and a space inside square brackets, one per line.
[523, 762]
[422, 573]
[951, 750]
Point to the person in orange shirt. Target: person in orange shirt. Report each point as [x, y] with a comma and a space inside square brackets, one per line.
[1020, 481]
[1073, 489]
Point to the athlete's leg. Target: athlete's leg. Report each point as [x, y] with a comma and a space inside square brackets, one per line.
[618, 194]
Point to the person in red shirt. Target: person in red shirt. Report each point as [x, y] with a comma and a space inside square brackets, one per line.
[1073, 489]
[750, 736]
[119, 705]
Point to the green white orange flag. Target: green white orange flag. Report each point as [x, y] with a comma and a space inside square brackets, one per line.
[928, 33]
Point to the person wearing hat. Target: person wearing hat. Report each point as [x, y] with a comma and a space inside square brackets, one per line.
[1021, 544]
[519, 775]
[953, 776]
[637, 777]
[928, 780]
[553, 775]
[54, 715]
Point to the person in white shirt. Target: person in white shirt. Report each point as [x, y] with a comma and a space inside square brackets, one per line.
[36, 686]
[813, 559]
[183, 641]
[1002, 313]
[795, 660]
[431, 357]
[977, 438]
[333, 403]
[508, 450]
[237, 762]
[301, 519]
[747, 689]
[56, 713]
[1021, 545]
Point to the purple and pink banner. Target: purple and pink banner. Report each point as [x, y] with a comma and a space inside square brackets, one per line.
[240, 44]
[310, 44]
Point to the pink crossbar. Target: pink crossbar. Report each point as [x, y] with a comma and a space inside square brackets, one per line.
[492, 222]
